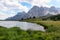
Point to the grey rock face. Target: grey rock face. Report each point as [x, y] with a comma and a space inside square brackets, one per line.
[35, 12]
[53, 9]
[19, 16]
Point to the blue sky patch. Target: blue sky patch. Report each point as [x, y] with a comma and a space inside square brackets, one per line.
[26, 4]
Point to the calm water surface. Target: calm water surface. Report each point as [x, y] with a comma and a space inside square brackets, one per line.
[22, 25]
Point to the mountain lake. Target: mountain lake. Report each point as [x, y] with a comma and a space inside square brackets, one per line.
[22, 25]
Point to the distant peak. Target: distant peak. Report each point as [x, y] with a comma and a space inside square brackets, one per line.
[35, 7]
[52, 6]
[23, 12]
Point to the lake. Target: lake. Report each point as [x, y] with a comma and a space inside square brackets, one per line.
[22, 25]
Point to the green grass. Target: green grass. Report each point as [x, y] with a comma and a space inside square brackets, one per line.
[15, 33]
[51, 26]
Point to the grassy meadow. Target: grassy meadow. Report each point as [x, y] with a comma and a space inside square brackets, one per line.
[15, 33]
[52, 27]
[49, 25]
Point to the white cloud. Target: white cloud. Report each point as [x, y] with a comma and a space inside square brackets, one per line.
[58, 0]
[38, 2]
[28, 1]
[2, 7]
[4, 16]
[41, 3]
[15, 5]
[9, 8]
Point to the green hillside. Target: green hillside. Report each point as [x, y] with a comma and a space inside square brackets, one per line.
[55, 17]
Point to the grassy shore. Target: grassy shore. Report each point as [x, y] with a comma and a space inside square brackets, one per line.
[52, 28]
[15, 33]
[49, 25]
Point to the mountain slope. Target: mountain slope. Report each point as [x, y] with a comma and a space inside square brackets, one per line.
[36, 11]
[55, 17]
[19, 16]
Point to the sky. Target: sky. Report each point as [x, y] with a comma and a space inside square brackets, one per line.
[10, 8]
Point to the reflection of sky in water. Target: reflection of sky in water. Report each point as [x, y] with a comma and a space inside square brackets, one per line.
[22, 25]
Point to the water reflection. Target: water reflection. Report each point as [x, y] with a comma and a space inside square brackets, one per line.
[22, 25]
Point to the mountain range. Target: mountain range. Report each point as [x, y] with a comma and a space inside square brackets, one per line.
[36, 12]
